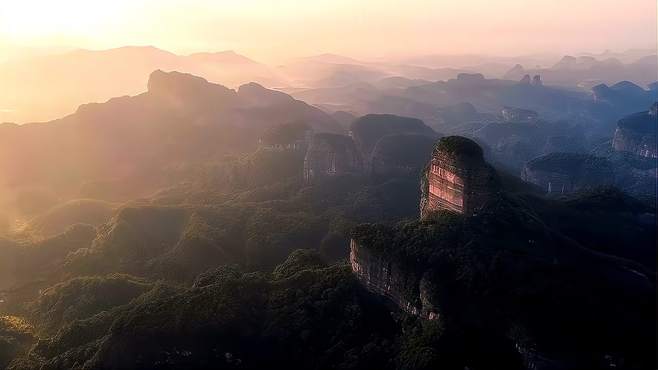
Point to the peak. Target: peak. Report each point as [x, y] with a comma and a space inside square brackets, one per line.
[160, 80]
[626, 85]
[470, 77]
[459, 146]
[567, 61]
[226, 56]
[255, 94]
[251, 86]
[187, 87]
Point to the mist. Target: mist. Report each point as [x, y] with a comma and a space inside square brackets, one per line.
[328, 185]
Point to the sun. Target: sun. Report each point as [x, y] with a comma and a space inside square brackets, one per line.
[29, 20]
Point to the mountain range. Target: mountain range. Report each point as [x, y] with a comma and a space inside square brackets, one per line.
[44, 87]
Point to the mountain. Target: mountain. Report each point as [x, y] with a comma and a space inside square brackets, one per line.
[587, 71]
[636, 133]
[493, 276]
[539, 294]
[561, 173]
[368, 130]
[132, 142]
[41, 88]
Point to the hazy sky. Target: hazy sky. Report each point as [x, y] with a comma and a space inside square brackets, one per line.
[278, 28]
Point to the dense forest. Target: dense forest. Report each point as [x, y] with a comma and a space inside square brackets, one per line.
[196, 226]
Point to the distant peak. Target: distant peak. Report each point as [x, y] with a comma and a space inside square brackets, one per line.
[251, 85]
[471, 77]
[160, 78]
[178, 83]
[567, 61]
[226, 56]
[626, 85]
[255, 93]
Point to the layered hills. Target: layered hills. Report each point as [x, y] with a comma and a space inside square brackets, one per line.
[199, 226]
[147, 137]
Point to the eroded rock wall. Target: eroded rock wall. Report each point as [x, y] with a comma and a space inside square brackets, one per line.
[459, 181]
[331, 155]
[636, 133]
[561, 173]
[388, 279]
[637, 143]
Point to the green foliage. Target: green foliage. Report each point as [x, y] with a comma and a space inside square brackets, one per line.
[57, 219]
[285, 134]
[571, 163]
[16, 336]
[299, 260]
[459, 145]
[81, 298]
[505, 266]
[305, 315]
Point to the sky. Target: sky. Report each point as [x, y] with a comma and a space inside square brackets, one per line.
[276, 29]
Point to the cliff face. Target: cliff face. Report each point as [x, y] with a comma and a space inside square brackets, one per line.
[457, 178]
[492, 262]
[331, 155]
[637, 134]
[561, 173]
[388, 279]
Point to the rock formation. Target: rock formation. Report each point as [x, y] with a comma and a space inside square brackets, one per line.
[525, 80]
[471, 77]
[401, 155]
[625, 96]
[637, 133]
[491, 266]
[511, 114]
[457, 178]
[392, 281]
[561, 173]
[331, 155]
[516, 73]
[369, 129]
[536, 81]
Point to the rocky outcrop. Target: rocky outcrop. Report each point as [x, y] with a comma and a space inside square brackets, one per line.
[517, 72]
[401, 155]
[388, 279]
[331, 155]
[457, 178]
[525, 80]
[637, 133]
[624, 96]
[511, 114]
[369, 129]
[476, 78]
[561, 173]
